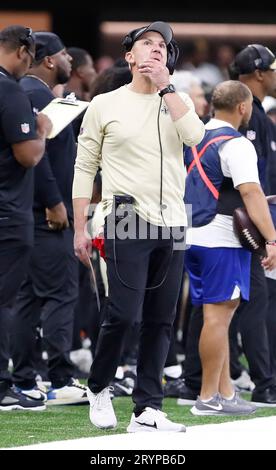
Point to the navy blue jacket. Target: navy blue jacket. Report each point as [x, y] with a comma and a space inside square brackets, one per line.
[261, 132]
[54, 173]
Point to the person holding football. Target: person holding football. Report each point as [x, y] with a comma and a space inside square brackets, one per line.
[223, 175]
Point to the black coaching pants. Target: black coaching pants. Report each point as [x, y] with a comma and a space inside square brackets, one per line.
[48, 295]
[139, 264]
[15, 248]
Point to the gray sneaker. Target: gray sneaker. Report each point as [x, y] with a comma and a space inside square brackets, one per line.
[219, 406]
[238, 406]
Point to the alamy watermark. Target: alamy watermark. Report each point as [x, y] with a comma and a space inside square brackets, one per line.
[124, 223]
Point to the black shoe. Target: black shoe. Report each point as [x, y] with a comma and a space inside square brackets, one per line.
[265, 397]
[130, 374]
[188, 396]
[173, 388]
[122, 388]
[12, 400]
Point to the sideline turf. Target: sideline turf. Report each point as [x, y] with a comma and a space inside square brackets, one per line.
[71, 422]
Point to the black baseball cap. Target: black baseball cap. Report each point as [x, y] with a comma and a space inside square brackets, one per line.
[158, 26]
[47, 44]
[254, 57]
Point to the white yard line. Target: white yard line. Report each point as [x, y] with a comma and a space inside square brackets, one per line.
[255, 434]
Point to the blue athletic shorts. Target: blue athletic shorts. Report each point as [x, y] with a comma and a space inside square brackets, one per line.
[215, 272]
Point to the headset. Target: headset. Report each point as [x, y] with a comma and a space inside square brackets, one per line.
[172, 48]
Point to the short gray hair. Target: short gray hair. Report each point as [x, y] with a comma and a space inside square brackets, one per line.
[227, 95]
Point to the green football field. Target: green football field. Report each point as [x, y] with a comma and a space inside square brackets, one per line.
[72, 422]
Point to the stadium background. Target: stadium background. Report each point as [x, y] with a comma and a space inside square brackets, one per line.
[83, 24]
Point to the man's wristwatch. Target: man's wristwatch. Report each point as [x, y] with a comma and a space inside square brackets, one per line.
[169, 89]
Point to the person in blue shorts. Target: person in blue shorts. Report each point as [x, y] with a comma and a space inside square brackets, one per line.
[223, 175]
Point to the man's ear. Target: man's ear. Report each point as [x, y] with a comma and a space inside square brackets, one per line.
[79, 71]
[48, 62]
[242, 108]
[259, 75]
[129, 58]
[20, 52]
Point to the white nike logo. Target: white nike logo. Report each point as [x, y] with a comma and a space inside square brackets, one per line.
[214, 407]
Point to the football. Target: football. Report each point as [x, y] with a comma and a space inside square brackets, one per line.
[246, 231]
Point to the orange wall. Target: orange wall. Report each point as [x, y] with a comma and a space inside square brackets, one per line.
[38, 21]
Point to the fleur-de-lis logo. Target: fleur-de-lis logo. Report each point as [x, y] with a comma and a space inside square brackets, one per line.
[164, 109]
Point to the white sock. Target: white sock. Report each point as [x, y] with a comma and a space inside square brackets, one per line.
[229, 398]
[174, 372]
[119, 373]
[206, 400]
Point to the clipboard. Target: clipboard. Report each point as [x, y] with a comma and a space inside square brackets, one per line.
[62, 111]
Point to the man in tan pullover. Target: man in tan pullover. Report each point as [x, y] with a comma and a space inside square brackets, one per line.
[136, 133]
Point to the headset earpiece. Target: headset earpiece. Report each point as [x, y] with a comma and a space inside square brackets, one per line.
[127, 42]
[173, 54]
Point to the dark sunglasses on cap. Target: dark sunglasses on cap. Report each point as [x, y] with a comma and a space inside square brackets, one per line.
[28, 41]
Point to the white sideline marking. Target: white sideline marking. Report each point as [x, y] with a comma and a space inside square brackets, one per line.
[256, 434]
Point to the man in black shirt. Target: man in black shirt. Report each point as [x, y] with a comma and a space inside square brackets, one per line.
[22, 144]
[256, 67]
[50, 290]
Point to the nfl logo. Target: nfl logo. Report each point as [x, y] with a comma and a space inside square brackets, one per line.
[25, 128]
[251, 135]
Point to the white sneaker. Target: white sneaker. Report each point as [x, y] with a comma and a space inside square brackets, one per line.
[152, 420]
[244, 382]
[70, 394]
[101, 410]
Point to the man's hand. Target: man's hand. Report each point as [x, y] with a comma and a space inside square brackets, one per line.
[82, 247]
[43, 125]
[269, 262]
[57, 217]
[156, 71]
